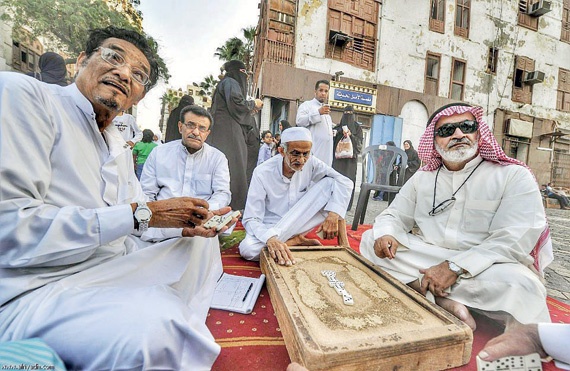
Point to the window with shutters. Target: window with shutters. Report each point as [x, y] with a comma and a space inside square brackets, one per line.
[522, 92]
[459, 68]
[355, 21]
[565, 34]
[24, 57]
[524, 19]
[563, 98]
[432, 74]
[437, 16]
[492, 60]
[462, 18]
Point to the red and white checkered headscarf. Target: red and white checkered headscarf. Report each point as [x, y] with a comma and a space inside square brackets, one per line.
[490, 150]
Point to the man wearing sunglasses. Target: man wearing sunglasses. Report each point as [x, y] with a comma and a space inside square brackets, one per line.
[481, 222]
[71, 271]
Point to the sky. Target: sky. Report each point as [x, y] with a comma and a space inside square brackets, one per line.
[188, 32]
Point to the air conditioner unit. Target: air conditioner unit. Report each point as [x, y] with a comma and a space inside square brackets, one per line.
[338, 38]
[534, 77]
[519, 128]
[540, 8]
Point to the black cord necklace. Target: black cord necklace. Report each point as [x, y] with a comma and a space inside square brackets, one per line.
[446, 203]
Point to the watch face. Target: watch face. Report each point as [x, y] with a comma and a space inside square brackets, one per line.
[143, 214]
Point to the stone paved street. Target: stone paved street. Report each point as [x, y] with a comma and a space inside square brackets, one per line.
[557, 274]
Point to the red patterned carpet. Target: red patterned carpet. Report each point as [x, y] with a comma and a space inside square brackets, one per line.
[254, 341]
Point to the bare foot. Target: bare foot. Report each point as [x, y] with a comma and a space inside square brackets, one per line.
[296, 367]
[458, 310]
[300, 240]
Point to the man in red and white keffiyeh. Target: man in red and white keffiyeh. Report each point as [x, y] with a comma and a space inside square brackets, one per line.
[483, 239]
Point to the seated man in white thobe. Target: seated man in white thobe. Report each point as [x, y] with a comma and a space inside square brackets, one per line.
[315, 116]
[480, 216]
[127, 126]
[290, 194]
[71, 272]
[187, 167]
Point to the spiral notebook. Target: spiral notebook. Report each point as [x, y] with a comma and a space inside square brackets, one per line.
[237, 293]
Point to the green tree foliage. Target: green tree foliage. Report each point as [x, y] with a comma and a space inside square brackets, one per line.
[207, 86]
[65, 24]
[240, 49]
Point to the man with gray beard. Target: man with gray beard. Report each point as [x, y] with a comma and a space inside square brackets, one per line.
[482, 240]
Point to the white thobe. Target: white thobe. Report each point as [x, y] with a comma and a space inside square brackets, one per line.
[171, 171]
[70, 272]
[320, 127]
[489, 231]
[554, 339]
[283, 207]
[127, 126]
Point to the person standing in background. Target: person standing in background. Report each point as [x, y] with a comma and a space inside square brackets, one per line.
[172, 132]
[231, 110]
[127, 126]
[315, 116]
[52, 69]
[413, 160]
[141, 150]
[348, 128]
[266, 147]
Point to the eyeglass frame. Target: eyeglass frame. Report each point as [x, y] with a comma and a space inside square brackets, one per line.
[442, 206]
[466, 127]
[193, 126]
[103, 49]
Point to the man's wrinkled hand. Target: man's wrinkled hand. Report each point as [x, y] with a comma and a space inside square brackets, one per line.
[200, 231]
[437, 279]
[179, 212]
[280, 252]
[330, 226]
[385, 247]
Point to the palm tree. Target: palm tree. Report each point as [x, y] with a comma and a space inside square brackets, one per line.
[207, 86]
[249, 36]
[233, 49]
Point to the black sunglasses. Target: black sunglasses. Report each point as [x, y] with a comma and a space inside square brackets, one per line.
[466, 127]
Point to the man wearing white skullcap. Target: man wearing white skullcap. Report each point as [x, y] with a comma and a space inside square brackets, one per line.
[288, 196]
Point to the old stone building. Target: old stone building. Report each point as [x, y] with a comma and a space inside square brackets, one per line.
[397, 61]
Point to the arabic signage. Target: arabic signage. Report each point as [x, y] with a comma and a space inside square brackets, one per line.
[362, 98]
[353, 97]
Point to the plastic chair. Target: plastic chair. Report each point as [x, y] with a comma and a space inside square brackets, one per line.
[378, 163]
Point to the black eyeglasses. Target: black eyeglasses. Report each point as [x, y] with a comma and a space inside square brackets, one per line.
[466, 127]
[444, 205]
[192, 126]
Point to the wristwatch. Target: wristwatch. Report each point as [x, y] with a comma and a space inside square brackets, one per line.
[455, 268]
[142, 215]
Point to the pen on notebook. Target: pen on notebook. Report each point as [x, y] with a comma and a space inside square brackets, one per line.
[247, 292]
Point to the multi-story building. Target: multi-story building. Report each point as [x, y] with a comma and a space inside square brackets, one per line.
[398, 61]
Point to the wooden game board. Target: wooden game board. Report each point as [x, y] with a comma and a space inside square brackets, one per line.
[389, 327]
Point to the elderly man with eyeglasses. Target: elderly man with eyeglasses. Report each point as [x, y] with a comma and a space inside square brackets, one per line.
[72, 270]
[290, 194]
[482, 239]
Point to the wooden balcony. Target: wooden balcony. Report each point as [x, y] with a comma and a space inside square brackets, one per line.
[278, 52]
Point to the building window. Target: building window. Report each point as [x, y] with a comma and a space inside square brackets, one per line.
[352, 32]
[462, 18]
[522, 92]
[524, 19]
[492, 60]
[437, 16]
[565, 34]
[563, 98]
[432, 74]
[457, 79]
[24, 59]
